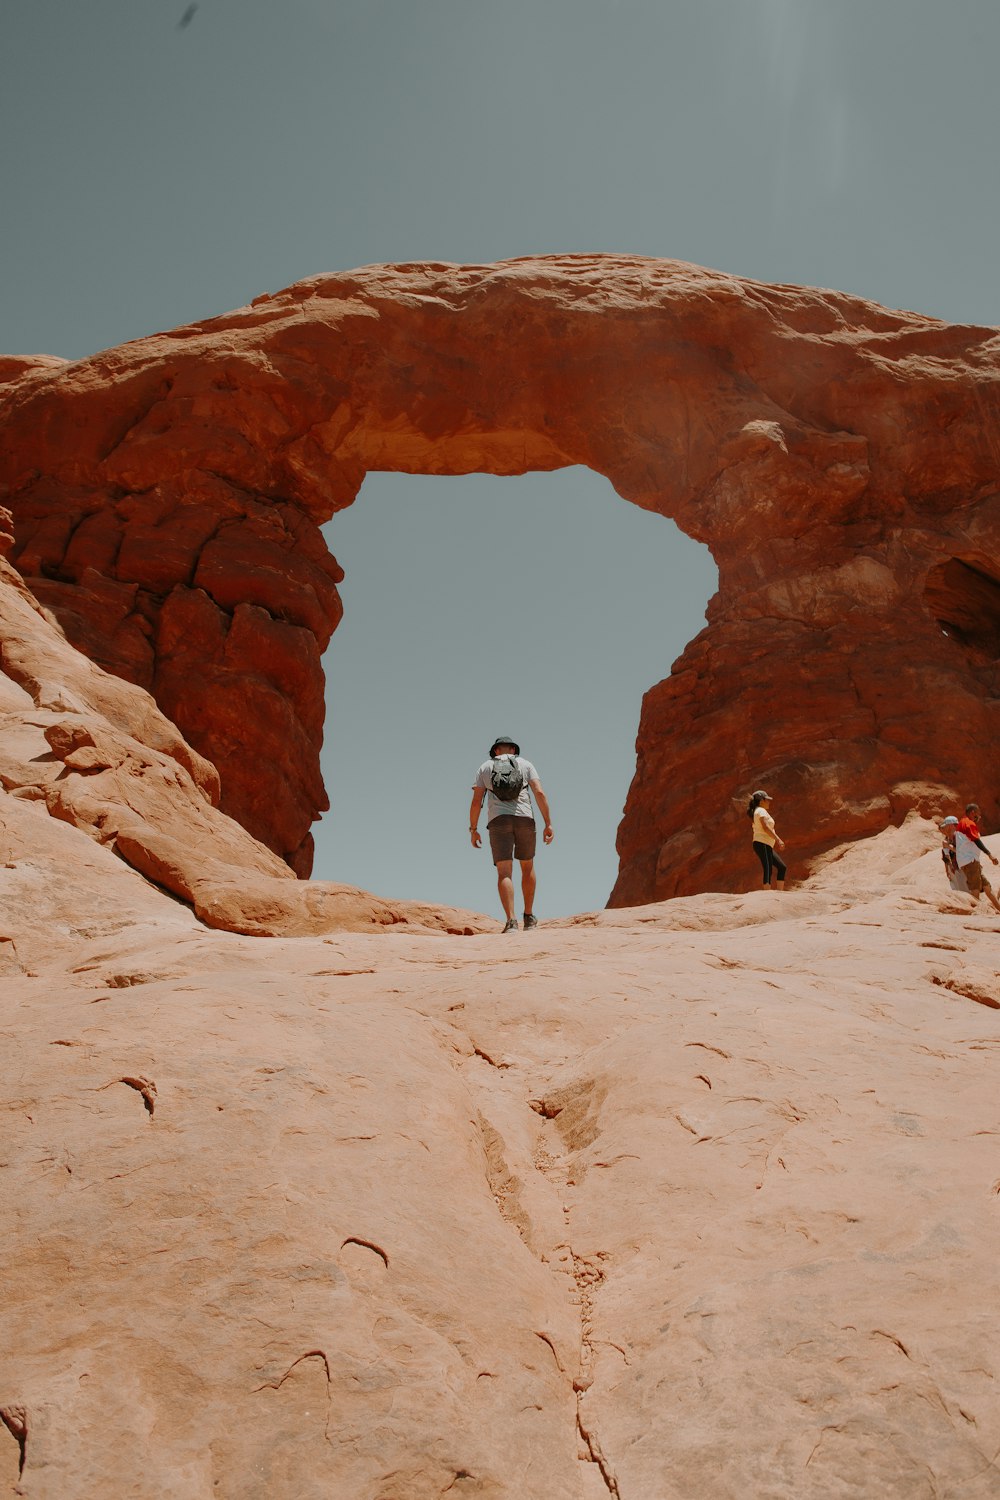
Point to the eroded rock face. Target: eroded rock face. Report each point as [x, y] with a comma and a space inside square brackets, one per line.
[95, 753]
[838, 459]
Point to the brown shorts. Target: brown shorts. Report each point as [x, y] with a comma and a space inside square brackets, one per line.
[975, 879]
[511, 837]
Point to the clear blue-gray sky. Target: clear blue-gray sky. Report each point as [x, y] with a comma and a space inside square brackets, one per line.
[164, 161]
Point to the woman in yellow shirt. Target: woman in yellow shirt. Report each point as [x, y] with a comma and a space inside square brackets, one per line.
[765, 840]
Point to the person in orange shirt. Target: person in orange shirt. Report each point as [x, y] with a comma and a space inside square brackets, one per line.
[968, 845]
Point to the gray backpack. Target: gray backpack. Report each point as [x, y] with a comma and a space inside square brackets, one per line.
[507, 778]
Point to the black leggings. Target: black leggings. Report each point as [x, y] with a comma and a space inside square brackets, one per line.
[770, 859]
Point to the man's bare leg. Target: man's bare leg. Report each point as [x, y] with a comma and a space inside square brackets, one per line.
[505, 885]
[978, 886]
[528, 885]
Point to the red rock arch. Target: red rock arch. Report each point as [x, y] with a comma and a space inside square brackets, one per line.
[167, 497]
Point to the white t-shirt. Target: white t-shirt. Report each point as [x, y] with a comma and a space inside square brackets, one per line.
[966, 852]
[763, 827]
[494, 807]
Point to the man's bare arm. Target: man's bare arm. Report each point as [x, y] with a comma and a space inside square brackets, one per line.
[980, 845]
[543, 808]
[478, 793]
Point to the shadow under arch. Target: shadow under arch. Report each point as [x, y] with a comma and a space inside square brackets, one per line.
[472, 603]
[963, 596]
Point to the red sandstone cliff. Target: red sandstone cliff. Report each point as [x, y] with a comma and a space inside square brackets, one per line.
[96, 753]
[840, 460]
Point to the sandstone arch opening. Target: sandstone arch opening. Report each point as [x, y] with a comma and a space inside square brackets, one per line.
[543, 603]
[964, 598]
[167, 498]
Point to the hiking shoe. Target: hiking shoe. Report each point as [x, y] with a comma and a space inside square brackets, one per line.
[511, 925]
[529, 921]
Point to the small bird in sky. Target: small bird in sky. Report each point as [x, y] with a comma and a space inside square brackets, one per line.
[187, 17]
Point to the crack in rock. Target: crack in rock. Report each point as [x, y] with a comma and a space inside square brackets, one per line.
[578, 1128]
[353, 1239]
[15, 1419]
[593, 1447]
[320, 1354]
[146, 1087]
[504, 1183]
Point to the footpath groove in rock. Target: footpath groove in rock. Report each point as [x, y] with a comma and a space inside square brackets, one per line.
[573, 1277]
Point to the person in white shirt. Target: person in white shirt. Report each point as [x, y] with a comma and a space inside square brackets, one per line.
[766, 842]
[510, 781]
[968, 847]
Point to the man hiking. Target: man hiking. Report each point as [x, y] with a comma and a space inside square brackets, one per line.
[968, 846]
[507, 780]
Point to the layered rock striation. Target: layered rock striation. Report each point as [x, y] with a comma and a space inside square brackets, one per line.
[840, 460]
